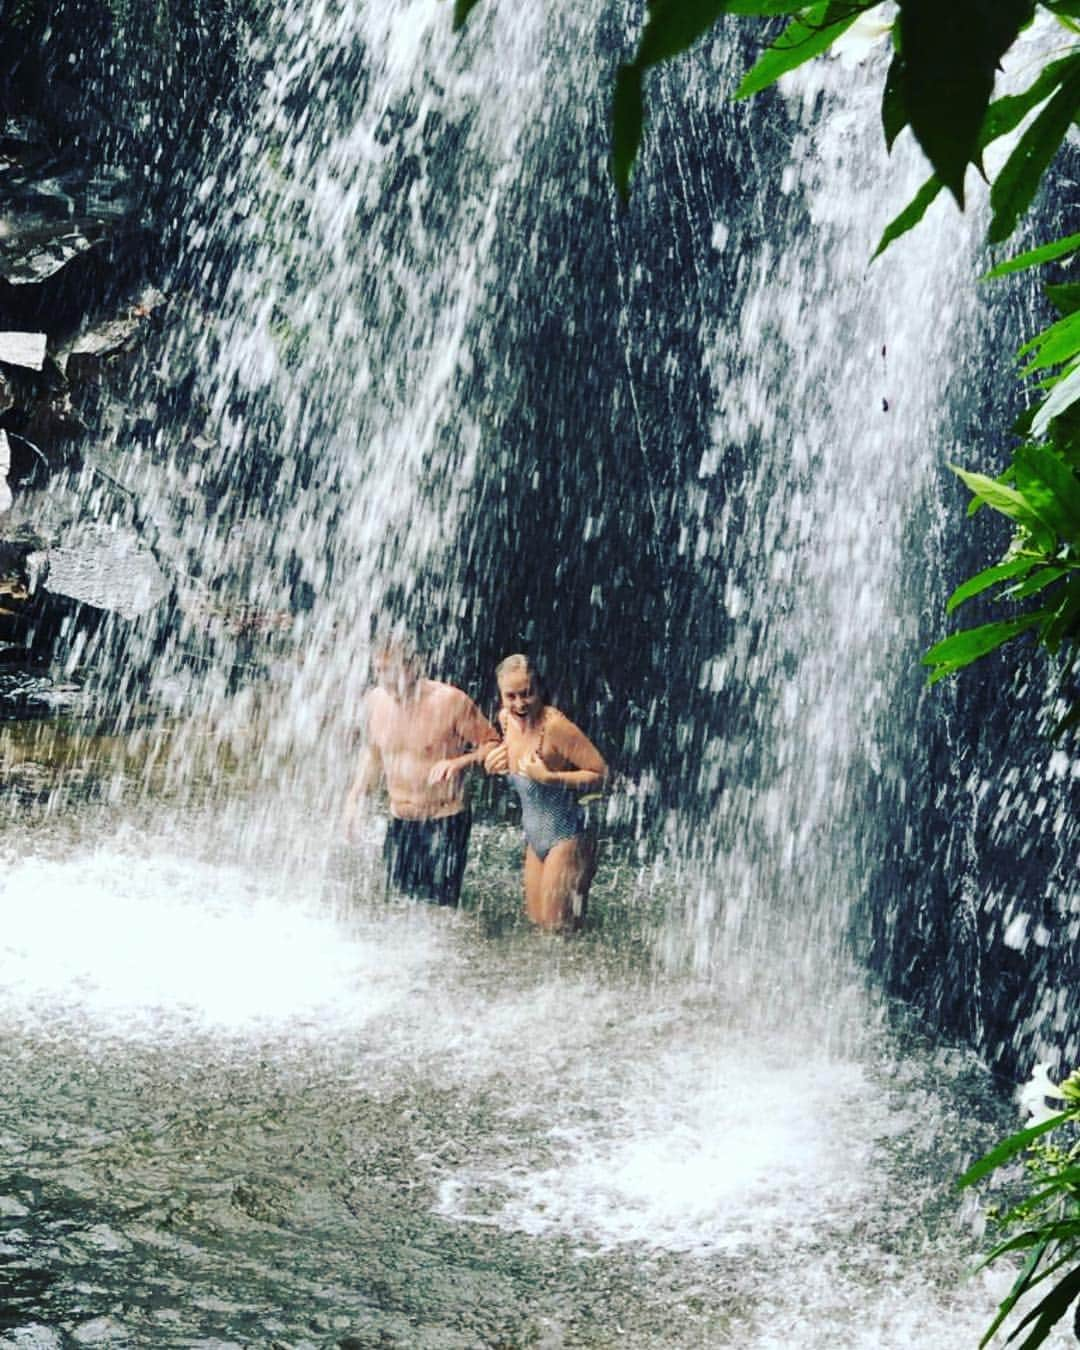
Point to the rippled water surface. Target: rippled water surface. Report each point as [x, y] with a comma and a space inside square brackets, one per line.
[250, 1104]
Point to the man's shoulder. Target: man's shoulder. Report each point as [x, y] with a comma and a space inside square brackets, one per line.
[448, 693]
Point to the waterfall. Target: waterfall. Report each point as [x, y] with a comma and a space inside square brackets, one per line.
[419, 367]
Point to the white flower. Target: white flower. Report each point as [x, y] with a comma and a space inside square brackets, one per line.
[1032, 1096]
[856, 43]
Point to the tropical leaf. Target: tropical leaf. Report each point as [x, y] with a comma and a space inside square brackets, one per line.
[1065, 297]
[953, 653]
[1020, 1285]
[1001, 498]
[1064, 394]
[462, 10]
[1033, 1237]
[1057, 248]
[1039, 582]
[1005, 114]
[910, 216]
[982, 581]
[1010, 1147]
[894, 116]
[628, 119]
[1050, 1311]
[1063, 623]
[1002, 116]
[1064, 1180]
[1050, 487]
[804, 38]
[673, 26]
[950, 56]
[1015, 186]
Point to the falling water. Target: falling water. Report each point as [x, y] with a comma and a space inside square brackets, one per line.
[422, 366]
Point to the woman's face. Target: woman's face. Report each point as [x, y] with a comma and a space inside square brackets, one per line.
[517, 689]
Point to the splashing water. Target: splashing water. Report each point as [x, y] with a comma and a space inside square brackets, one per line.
[291, 1117]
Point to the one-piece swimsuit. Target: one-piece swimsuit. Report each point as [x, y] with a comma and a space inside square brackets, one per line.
[550, 812]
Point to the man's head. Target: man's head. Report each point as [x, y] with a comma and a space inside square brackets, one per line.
[396, 666]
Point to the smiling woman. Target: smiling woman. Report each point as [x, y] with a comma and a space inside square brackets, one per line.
[548, 761]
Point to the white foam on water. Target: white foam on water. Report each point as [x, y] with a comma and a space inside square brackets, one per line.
[141, 945]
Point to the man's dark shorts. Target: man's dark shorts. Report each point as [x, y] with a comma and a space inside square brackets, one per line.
[426, 858]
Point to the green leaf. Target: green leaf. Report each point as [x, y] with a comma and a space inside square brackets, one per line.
[1020, 1284]
[894, 116]
[673, 26]
[1002, 116]
[1010, 1147]
[804, 38]
[1065, 298]
[1015, 186]
[1037, 583]
[462, 10]
[950, 56]
[1064, 394]
[1050, 487]
[1057, 248]
[1064, 623]
[1056, 344]
[1005, 114]
[627, 124]
[975, 585]
[1051, 1310]
[910, 216]
[953, 653]
[997, 495]
[1063, 1181]
[1032, 1237]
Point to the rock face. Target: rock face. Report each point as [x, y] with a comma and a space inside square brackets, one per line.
[74, 312]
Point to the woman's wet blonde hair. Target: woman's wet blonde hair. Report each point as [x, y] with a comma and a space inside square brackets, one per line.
[516, 661]
[519, 661]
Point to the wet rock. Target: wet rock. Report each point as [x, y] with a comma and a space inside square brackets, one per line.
[101, 567]
[33, 252]
[262, 1200]
[5, 469]
[23, 349]
[33, 1336]
[84, 356]
[101, 1331]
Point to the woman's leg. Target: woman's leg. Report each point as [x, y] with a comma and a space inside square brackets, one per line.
[565, 877]
[534, 880]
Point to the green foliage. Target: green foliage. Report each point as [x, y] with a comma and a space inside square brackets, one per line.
[1039, 493]
[806, 36]
[948, 56]
[1045, 1224]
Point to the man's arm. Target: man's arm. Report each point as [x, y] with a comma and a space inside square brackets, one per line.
[472, 728]
[365, 783]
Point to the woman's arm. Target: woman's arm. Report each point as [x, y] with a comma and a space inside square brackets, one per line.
[586, 766]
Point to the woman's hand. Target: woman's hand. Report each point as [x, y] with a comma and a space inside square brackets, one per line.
[532, 766]
[497, 759]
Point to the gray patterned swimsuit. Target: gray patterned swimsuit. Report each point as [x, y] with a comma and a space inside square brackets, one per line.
[550, 812]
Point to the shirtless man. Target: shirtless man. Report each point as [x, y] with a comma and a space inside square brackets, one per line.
[418, 736]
